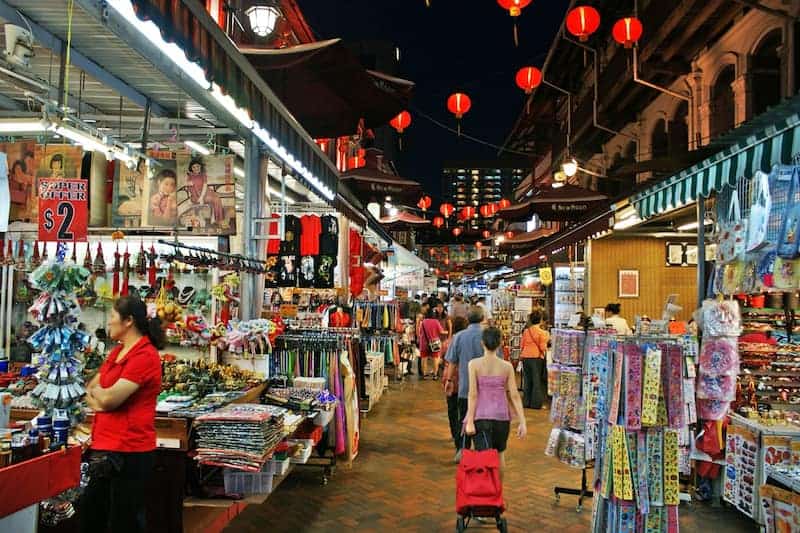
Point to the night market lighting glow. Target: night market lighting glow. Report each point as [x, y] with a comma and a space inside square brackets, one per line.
[199, 148]
[196, 73]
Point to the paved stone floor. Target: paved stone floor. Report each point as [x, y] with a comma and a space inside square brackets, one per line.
[404, 480]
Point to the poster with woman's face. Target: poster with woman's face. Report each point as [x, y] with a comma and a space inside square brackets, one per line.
[161, 207]
[22, 167]
[205, 194]
[128, 202]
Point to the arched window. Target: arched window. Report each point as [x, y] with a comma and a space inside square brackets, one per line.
[659, 141]
[766, 72]
[723, 107]
[679, 130]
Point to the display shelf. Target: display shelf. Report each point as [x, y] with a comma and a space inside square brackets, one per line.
[29, 482]
[782, 478]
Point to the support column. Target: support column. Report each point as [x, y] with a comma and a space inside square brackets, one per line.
[743, 98]
[701, 250]
[695, 83]
[250, 305]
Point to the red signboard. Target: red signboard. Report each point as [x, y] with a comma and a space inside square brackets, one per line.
[63, 209]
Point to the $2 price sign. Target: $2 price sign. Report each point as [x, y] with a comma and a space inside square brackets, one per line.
[63, 209]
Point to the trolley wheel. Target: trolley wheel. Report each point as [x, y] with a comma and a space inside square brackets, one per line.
[502, 525]
[460, 525]
[558, 497]
[324, 480]
[579, 508]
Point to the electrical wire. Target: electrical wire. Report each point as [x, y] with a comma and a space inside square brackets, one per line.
[444, 126]
[70, 8]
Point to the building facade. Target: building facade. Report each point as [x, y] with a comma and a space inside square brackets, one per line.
[477, 183]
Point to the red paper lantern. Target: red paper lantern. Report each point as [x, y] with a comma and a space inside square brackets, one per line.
[514, 7]
[528, 78]
[627, 31]
[457, 231]
[582, 22]
[486, 211]
[446, 210]
[494, 208]
[504, 203]
[458, 104]
[401, 121]
[486, 234]
[424, 203]
[467, 212]
[446, 260]
[438, 222]
[509, 235]
[478, 244]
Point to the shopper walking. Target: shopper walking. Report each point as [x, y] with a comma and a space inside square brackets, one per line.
[464, 347]
[451, 392]
[430, 344]
[123, 396]
[491, 389]
[615, 321]
[534, 351]
[458, 307]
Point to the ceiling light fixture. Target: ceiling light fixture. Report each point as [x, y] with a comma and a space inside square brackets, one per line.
[263, 19]
[570, 167]
[196, 147]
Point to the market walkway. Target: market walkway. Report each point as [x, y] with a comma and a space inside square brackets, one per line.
[404, 480]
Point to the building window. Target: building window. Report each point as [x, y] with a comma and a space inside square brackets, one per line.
[723, 108]
[766, 72]
[679, 130]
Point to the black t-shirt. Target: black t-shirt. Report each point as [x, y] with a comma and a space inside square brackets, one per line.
[288, 271]
[324, 277]
[329, 238]
[291, 238]
[308, 270]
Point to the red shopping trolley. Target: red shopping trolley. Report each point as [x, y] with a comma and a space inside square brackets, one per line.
[479, 490]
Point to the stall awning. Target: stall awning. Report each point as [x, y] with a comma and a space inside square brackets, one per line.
[564, 203]
[768, 139]
[404, 219]
[326, 88]
[403, 257]
[373, 183]
[528, 238]
[567, 237]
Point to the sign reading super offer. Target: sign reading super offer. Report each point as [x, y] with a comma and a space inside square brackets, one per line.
[63, 209]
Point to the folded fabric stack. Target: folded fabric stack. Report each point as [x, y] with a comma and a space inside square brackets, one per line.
[241, 436]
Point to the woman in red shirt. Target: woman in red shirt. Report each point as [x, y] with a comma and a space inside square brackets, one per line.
[123, 396]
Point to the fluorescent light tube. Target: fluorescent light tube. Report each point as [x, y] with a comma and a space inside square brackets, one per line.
[199, 148]
[23, 126]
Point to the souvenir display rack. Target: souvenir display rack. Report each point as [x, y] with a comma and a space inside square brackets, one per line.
[568, 293]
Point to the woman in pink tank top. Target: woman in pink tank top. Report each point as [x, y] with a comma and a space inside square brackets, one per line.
[492, 390]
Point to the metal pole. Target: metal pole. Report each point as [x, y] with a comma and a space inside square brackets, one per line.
[249, 292]
[701, 250]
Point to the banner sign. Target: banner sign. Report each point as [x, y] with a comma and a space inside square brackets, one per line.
[63, 209]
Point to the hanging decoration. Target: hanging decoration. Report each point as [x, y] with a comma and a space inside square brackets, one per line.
[486, 234]
[504, 203]
[459, 104]
[446, 210]
[478, 245]
[424, 202]
[494, 208]
[509, 235]
[486, 211]
[514, 8]
[582, 22]
[400, 123]
[438, 222]
[627, 31]
[529, 78]
[467, 212]
[457, 231]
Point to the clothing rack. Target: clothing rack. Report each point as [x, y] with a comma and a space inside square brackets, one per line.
[209, 251]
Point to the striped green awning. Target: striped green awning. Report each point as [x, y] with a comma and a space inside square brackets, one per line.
[778, 143]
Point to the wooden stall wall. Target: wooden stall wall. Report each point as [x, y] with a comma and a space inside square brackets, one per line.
[656, 280]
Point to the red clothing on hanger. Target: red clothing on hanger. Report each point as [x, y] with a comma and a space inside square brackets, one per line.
[311, 227]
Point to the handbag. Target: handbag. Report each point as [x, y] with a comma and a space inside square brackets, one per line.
[732, 233]
[758, 221]
[788, 244]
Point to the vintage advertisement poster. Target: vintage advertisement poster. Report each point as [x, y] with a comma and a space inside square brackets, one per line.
[205, 194]
[28, 161]
[128, 202]
[161, 206]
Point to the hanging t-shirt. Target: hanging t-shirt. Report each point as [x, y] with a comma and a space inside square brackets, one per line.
[309, 241]
[291, 240]
[274, 237]
[288, 272]
[329, 239]
[308, 271]
[325, 266]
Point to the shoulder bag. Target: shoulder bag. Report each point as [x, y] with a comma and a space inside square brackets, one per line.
[732, 232]
[788, 245]
[758, 221]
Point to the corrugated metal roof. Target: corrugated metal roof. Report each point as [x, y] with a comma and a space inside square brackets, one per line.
[109, 52]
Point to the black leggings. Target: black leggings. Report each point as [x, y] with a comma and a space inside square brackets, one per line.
[117, 501]
[534, 382]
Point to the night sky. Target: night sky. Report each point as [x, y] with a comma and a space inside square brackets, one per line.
[453, 45]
